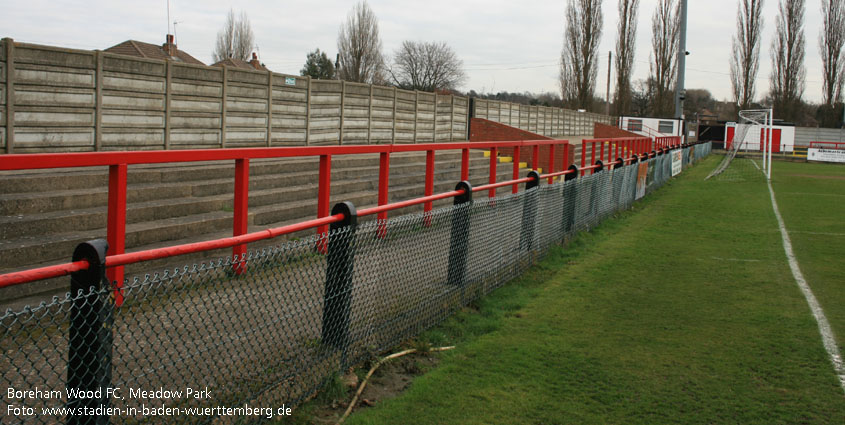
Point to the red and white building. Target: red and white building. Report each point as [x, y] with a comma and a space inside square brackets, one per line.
[783, 138]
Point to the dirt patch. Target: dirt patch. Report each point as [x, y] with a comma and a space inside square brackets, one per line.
[814, 176]
[389, 380]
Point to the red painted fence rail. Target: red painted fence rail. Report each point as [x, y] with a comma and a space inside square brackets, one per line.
[610, 151]
[827, 145]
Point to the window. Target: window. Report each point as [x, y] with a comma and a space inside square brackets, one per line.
[666, 127]
[635, 125]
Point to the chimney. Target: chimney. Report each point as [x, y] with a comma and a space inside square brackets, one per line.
[169, 46]
[254, 62]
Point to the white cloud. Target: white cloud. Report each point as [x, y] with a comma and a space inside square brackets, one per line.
[505, 45]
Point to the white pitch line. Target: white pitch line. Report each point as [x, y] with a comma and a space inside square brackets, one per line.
[826, 332]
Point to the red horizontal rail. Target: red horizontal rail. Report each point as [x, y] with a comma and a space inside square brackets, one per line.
[409, 203]
[494, 186]
[558, 173]
[40, 273]
[190, 248]
[835, 144]
[94, 159]
[59, 270]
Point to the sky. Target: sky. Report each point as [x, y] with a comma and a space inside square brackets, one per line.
[505, 45]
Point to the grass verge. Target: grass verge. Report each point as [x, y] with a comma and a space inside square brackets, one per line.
[682, 310]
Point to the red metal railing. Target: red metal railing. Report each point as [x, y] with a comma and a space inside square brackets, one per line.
[118, 163]
[608, 150]
[828, 145]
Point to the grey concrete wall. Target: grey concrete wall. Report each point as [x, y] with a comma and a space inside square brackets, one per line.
[62, 100]
[805, 135]
[551, 122]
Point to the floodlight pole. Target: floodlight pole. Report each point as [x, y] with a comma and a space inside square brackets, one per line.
[682, 63]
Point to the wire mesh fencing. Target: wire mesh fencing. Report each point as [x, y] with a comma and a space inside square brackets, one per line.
[241, 340]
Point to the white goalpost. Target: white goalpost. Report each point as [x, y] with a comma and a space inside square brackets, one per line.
[752, 123]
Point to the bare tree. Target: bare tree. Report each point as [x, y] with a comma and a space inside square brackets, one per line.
[787, 79]
[235, 40]
[745, 58]
[665, 25]
[831, 40]
[579, 58]
[642, 91]
[426, 66]
[359, 47]
[625, 47]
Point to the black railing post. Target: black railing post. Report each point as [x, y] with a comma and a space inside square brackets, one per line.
[617, 181]
[570, 199]
[594, 195]
[529, 212]
[459, 237]
[90, 335]
[619, 163]
[340, 263]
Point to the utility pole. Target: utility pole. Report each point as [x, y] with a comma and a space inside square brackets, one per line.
[680, 93]
[607, 103]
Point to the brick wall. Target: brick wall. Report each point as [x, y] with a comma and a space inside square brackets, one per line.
[603, 131]
[482, 130]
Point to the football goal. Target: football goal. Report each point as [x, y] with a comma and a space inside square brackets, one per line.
[748, 147]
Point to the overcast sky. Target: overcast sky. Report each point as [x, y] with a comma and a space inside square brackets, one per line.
[505, 45]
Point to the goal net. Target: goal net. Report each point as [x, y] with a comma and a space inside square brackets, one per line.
[747, 147]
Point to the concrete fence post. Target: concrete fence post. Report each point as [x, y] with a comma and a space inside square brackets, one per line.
[342, 103]
[269, 108]
[370, 117]
[308, 110]
[98, 104]
[223, 108]
[10, 94]
[416, 112]
[394, 116]
[168, 98]
[451, 118]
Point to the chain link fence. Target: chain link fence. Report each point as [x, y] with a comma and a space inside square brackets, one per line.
[231, 341]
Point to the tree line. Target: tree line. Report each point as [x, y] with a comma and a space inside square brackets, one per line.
[434, 66]
[787, 81]
[415, 65]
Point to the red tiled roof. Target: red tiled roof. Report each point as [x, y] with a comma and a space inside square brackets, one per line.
[150, 51]
[237, 63]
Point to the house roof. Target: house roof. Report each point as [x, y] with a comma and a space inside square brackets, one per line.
[237, 63]
[150, 51]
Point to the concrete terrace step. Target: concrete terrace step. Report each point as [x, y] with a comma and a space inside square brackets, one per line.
[203, 197]
[155, 221]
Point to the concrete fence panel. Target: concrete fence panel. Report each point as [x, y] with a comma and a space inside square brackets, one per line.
[55, 99]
